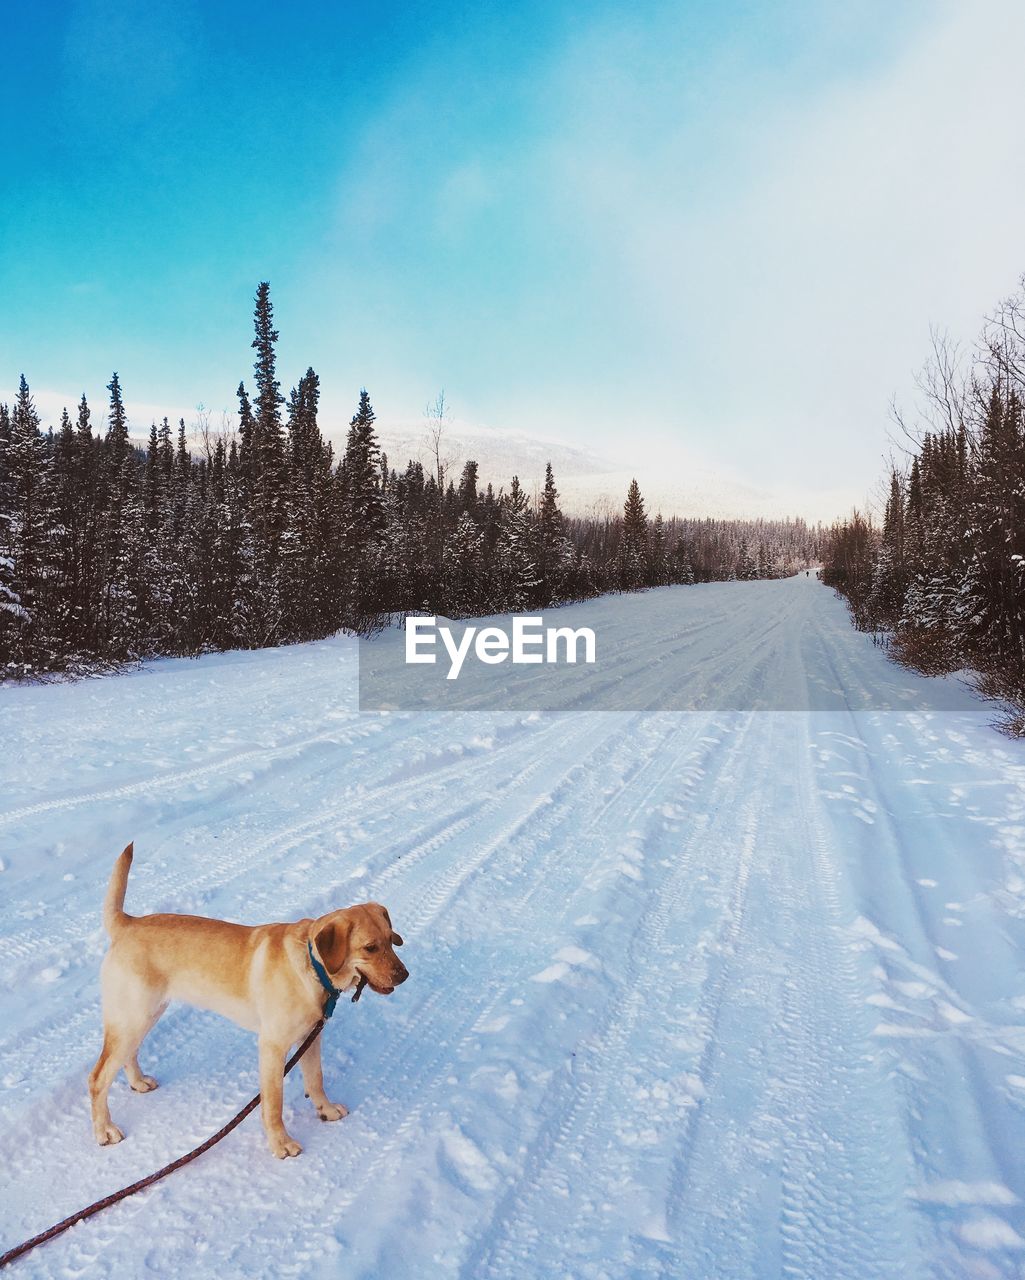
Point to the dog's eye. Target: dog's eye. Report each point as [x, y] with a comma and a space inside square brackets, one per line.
[371, 947]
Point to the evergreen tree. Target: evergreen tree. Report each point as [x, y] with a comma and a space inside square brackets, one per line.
[268, 480]
[633, 551]
[994, 588]
[468, 489]
[515, 573]
[247, 436]
[890, 577]
[23, 535]
[683, 568]
[659, 574]
[746, 569]
[463, 577]
[363, 507]
[362, 512]
[305, 570]
[64, 535]
[552, 554]
[122, 534]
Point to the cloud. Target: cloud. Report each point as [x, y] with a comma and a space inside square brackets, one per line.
[784, 249]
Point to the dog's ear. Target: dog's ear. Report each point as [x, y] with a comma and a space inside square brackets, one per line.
[395, 940]
[333, 944]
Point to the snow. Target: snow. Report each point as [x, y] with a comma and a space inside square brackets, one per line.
[721, 993]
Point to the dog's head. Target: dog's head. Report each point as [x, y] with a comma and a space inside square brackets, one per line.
[359, 942]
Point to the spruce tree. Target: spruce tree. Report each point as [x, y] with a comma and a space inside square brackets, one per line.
[363, 509]
[64, 538]
[468, 489]
[304, 591]
[122, 535]
[658, 574]
[552, 555]
[23, 537]
[246, 436]
[516, 577]
[633, 551]
[267, 497]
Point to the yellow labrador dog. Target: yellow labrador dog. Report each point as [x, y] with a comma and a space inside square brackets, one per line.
[274, 979]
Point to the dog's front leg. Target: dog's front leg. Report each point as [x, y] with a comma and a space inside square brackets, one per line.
[313, 1082]
[272, 1075]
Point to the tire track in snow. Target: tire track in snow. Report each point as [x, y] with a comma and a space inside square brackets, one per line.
[182, 887]
[410, 1128]
[798, 1013]
[165, 781]
[844, 1209]
[982, 1145]
[682, 1206]
[573, 1103]
[951, 1088]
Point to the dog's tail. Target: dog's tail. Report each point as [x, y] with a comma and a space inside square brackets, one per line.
[113, 903]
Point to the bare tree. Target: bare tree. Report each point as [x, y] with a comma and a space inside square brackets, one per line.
[229, 427]
[203, 432]
[1001, 353]
[437, 422]
[946, 387]
[944, 383]
[207, 435]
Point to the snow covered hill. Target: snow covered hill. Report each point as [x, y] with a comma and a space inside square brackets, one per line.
[588, 483]
[728, 993]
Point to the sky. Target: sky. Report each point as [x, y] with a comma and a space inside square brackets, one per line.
[668, 232]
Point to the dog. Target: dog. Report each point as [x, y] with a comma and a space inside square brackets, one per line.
[275, 979]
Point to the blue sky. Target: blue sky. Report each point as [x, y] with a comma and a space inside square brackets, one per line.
[717, 231]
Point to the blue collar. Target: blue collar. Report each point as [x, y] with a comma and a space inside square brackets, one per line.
[332, 991]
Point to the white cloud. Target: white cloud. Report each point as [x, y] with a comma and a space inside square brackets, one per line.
[789, 251]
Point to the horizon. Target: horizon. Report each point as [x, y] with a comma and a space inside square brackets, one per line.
[590, 484]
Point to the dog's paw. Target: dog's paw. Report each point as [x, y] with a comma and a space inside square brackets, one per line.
[144, 1084]
[282, 1146]
[107, 1134]
[332, 1111]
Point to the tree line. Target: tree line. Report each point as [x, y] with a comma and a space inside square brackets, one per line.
[944, 572]
[111, 552]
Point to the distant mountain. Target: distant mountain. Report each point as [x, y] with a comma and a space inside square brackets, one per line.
[690, 492]
[499, 454]
[589, 483]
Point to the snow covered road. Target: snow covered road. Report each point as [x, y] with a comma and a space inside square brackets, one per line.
[727, 993]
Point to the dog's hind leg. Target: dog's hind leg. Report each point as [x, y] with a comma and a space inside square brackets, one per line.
[140, 1083]
[130, 1008]
[117, 1046]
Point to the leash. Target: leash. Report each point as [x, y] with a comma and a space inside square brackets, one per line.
[60, 1227]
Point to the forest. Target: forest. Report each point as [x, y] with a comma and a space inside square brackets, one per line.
[112, 550]
[942, 575]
